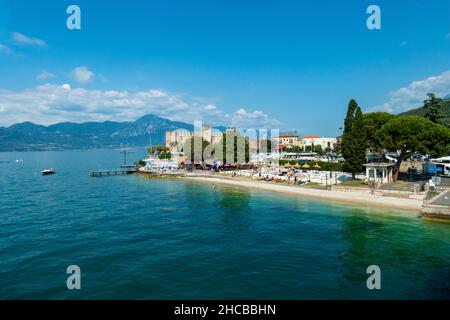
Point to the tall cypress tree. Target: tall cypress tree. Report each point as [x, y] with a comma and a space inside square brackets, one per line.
[347, 137]
[354, 140]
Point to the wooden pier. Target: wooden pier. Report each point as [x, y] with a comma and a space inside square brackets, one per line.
[115, 172]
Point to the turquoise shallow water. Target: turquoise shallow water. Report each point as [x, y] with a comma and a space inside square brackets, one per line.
[138, 238]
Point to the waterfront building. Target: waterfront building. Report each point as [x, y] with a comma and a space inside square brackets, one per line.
[288, 141]
[205, 133]
[159, 164]
[379, 172]
[253, 144]
[177, 138]
[216, 136]
[324, 142]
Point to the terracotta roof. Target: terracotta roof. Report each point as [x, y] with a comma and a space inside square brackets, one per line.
[287, 136]
[311, 137]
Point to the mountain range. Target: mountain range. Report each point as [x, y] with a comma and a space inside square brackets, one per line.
[149, 129]
[421, 111]
[28, 136]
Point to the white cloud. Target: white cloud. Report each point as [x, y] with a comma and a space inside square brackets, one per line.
[51, 103]
[210, 107]
[44, 75]
[82, 74]
[252, 119]
[5, 49]
[415, 93]
[20, 38]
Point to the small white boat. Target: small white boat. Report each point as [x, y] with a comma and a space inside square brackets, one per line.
[46, 172]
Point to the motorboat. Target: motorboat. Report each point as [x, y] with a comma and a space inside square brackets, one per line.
[46, 172]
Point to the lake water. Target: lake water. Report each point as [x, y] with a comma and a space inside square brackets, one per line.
[139, 238]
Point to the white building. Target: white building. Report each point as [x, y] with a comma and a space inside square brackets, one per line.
[325, 143]
[176, 139]
[288, 141]
[379, 172]
[210, 134]
[159, 164]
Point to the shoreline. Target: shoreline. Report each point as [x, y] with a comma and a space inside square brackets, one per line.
[347, 197]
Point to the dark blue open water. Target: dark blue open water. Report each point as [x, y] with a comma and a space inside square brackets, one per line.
[140, 238]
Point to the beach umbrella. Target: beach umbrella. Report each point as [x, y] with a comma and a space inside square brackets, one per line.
[298, 166]
[317, 166]
[306, 166]
[288, 165]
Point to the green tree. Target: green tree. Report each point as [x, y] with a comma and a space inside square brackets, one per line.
[165, 155]
[373, 122]
[354, 140]
[410, 134]
[295, 149]
[140, 163]
[157, 149]
[434, 108]
[318, 149]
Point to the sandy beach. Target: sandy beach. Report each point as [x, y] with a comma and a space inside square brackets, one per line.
[347, 197]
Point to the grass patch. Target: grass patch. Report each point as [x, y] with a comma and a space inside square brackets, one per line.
[353, 183]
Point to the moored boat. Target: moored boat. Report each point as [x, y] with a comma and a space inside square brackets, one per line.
[46, 172]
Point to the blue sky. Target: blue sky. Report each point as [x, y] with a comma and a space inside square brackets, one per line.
[287, 64]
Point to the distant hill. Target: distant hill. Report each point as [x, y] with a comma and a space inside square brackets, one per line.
[28, 136]
[421, 111]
